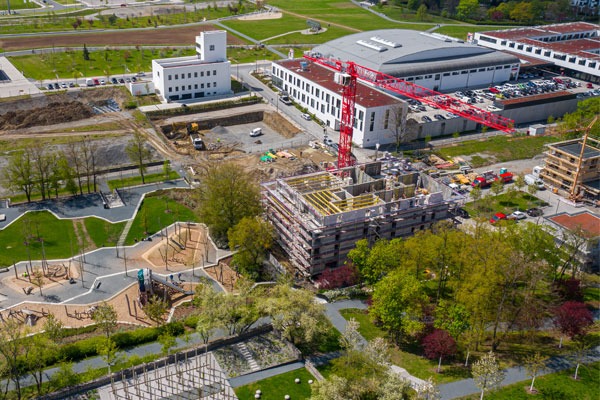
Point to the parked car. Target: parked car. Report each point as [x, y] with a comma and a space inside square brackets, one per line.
[425, 118]
[96, 82]
[102, 82]
[306, 117]
[114, 81]
[63, 85]
[121, 80]
[497, 217]
[589, 85]
[534, 212]
[517, 215]
[71, 84]
[439, 116]
[50, 86]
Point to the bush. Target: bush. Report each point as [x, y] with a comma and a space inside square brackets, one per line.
[130, 105]
[81, 349]
[191, 321]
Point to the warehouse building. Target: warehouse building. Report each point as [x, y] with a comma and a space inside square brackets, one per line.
[319, 217]
[433, 61]
[207, 74]
[570, 48]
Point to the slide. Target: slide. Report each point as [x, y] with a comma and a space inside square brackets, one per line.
[163, 281]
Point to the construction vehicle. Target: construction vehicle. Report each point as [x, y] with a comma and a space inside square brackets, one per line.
[197, 141]
[460, 179]
[192, 127]
[484, 180]
[347, 73]
[506, 177]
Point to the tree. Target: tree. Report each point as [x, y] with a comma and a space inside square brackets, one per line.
[251, 238]
[42, 162]
[167, 169]
[37, 278]
[227, 195]
[334, 388]
[413, 4]
[453, 318]
[54, 329]
[167, 342]
[86, 53]
[487, 373]
[89, 150]
[519, 182]
[572, 319]
[397, 303]
[522, 12]
[466, 9]
[476, 194]
[105, 316]
[497, 187]
[19, 173]
[112, 19]
[439, 344]
[205, 326]
[138, 152]
[422, 12]
[427, 390]
[107, 350]
[155, 309]
[11, 348]
[37, 356]
[534, 365]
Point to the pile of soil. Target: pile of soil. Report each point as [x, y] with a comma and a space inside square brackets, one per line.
[54, 113]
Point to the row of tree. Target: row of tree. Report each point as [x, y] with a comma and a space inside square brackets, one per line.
[75, 168]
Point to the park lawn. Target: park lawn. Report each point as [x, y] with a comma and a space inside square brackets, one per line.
[460, 32]
[405, 14]
[366, 328]
[137, 180]
[58, 235]
[155, 213]
[276, 387]
[10, 145]
[18, 5]
[103, 233]
[505, 202]
[497, 149]
[103, 63]
[559, 385]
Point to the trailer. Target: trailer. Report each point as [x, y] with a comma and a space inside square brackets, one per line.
[485, 180]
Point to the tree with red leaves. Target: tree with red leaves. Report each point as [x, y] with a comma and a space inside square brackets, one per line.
[337, 277]
[439, 344]
[572, 319]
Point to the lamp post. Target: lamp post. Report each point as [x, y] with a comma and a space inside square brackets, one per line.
[376, 150]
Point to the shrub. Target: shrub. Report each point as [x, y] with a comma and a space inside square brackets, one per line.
[191, 321]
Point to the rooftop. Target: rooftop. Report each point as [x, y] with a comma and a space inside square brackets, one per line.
[573, 147]
[542, 31]
[177, 62]
[366, 96]
[586, 221]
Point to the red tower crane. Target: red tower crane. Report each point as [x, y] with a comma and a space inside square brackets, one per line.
[347, 74]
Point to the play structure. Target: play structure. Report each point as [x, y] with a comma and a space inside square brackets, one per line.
[146, 282]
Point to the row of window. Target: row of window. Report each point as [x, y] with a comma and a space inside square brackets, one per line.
[455, 73]
[557, 56]
[189, 87]
[189, 75]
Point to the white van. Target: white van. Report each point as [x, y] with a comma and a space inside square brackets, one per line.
[89, 82]
[532, 180]
[256, 132]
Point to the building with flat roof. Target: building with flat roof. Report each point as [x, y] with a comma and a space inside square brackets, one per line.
[582, 231]
[207, 74]
[319, 217]
[573, 47]
[430, 60]
[562, 161]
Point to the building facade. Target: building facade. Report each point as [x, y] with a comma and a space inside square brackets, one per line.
[572, 46]
[319, 217]
[207, 74]
[377, 114]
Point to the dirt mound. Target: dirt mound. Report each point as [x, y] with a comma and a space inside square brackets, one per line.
[54, 113]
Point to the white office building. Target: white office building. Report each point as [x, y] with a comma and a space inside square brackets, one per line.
[207, 74]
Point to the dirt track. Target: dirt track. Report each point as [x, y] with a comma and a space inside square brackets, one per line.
[182, 36]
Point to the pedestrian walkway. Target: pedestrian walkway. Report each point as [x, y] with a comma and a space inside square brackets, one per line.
[264, 374]
[243, 349]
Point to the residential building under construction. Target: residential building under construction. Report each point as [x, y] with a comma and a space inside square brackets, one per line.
[573, 168]
[319, 217]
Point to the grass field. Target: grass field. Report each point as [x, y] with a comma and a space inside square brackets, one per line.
[18, 5]
[559, 386]
[405, 14]
[155, 213]
[498, 149]
[505, 203]
[103, 233]
[277, 387]
[366, 328]
[137, 180]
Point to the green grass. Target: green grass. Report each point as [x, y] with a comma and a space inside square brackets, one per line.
[277, 387]
[504, 202]
[152, 216]
[406, 14]
[70, 64]
[103, 233]
[10, 145]
[366, 328]
[559, 386]
[56, 234]
[18, 5]
[137, 180]
[498, 149]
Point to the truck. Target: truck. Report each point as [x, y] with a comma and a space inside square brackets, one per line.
[284, 97]
[506, 177]
[484, 180]
[460, 179]
[197, 141]
[533, 180]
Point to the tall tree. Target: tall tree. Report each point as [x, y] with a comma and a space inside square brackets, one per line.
[73, 154]
[466, 9]
[227, 195]
[11, 348]
[487, 373]
[138, 153]
[19, 174]
[107, 350]
[534, 365]
[155, 309]
[251, 239]
[42, 161]
[573, 318]
[89, 150]
[439, 344]
[105, 316]
[398, 301]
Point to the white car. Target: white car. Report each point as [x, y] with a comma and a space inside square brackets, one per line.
[306, 117]
[517, 215]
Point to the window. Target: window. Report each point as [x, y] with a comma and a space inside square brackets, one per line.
[511, 45]
[481, 69]
[428, 76]
[207, 73]
[214, 72]
[592, 64]
[386, 119]
[506, 66]
[195, 74]
[202, 86]
[372, 122]
[202, 73]
[189, 87]
[211, 47]
[437, 77]
[538, 51]
[454, 73]
[529, 49]
[572, 60]
[472, 71]
[169, 77]
[418, 78]
[176, 76]
[547, 53]
[446, 73]
[214, 84]
[464, 72]
[196, 86]
[176, 88]
[410, 79]
[189, 74]
[208, 85]
[170, 90]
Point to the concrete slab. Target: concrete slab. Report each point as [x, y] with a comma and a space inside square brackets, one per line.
[17, 85]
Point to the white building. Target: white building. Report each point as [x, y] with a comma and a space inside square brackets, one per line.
[572, 46]
[207, 74]
[312, 87]
[433, 61]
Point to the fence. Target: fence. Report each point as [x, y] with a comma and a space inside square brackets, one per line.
[286, 144]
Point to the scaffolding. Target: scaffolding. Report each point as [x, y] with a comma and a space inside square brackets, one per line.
[198, 376]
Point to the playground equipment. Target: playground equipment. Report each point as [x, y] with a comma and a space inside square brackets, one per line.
[146, 278]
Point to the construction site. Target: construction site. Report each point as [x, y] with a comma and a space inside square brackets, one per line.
[319, 217]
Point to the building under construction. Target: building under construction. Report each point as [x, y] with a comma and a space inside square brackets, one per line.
[319, 217]
[573, 168]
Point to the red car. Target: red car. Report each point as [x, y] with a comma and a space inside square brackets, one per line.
[96, 82]
[590, 85]
[497, 217]
[493, 90]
